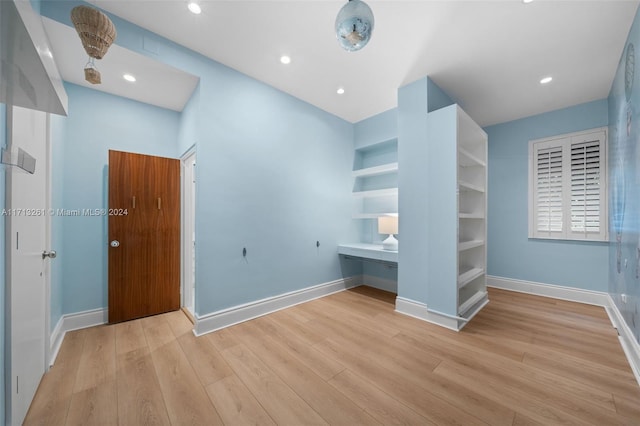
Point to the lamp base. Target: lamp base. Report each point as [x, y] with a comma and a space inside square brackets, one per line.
[390, 243]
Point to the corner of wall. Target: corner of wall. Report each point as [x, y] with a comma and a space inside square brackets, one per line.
[629, 344]
[189, 123]
[437, 98]
[375, 129]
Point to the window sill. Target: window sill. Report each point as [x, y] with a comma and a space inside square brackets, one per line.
[570, 240]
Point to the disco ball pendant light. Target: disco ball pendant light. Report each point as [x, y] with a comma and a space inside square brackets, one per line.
[354, 25]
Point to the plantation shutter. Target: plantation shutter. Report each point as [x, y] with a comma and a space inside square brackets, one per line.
[587, 204]
[548, 203]
[567, 187]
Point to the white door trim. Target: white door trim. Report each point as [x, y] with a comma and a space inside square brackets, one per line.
[188, 229]
[47, 283]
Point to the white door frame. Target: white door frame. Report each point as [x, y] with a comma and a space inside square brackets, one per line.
[188, 230]
[47, 240]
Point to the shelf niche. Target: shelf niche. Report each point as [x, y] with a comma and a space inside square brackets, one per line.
[375, 186]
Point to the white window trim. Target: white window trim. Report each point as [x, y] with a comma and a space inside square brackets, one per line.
[567, 234]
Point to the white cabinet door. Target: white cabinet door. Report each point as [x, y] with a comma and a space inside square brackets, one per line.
[26, 219]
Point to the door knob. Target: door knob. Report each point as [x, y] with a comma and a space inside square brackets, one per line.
[115, 243]
[50, 254]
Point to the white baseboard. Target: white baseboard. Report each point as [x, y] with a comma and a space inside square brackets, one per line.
[627, 340]
[380, 283]
[571, 294]
[57, 335]
[419, 310]
[237, 314]
[75, 321]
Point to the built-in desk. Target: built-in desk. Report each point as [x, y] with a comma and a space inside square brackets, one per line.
[368, 251]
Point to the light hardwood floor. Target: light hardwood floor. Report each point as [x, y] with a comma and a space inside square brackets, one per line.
[348, 359]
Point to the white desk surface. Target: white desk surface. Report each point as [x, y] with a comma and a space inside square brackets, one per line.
[368, 251]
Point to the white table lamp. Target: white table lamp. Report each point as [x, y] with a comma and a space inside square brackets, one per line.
[388, 225]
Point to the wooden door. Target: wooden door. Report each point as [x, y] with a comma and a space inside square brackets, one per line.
[144, 235]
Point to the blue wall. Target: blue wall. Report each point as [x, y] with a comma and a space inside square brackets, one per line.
[274, 176]
[275, 172]
[624, 186]
[379, 128]
[412, 200]
[439, 186]
[417, 157]
[96, 123]
[511, 253]
[189, 122]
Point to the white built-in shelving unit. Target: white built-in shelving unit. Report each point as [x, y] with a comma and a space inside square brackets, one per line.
[472, 213]
[375, 194]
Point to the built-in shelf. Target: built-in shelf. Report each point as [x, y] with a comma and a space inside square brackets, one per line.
[471, 177]
[375, 186]
[471, 302]
[469, 275]
[467, 245]
[372, 215]
[471, 216]
[467, 159]
[376, 171]
[387, 192]
[466, 186]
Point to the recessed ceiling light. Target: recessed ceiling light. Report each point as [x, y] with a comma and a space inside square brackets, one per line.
[285, 59]
[340, 91]
[129, 78]
[526, 1]
[194, 7]
[546, 80]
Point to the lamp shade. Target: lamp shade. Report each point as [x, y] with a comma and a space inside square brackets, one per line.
[388, 225]
[354, 25]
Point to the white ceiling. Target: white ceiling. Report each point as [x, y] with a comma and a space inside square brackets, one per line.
[488, 55]
[152, 76]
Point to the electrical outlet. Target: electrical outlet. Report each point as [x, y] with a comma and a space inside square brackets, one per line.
[624, 298]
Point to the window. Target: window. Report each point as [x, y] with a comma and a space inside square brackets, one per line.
[568, 187]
